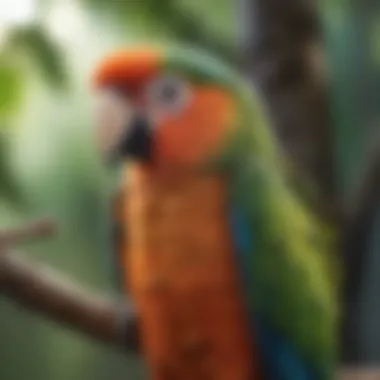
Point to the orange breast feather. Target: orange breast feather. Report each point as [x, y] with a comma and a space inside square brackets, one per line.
[179, 261]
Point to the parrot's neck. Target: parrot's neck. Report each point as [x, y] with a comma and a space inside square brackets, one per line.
[189, 187]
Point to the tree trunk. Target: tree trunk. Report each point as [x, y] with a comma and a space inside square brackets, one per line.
[281, 41]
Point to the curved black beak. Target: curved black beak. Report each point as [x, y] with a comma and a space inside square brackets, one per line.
[136, 142]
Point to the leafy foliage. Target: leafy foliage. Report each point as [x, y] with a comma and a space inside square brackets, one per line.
[11, 86]
[179, 19]
[29, 44]
[9, 187]
[11, 89]
[35, 43]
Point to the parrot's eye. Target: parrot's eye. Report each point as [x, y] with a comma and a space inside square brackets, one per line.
[168, 93]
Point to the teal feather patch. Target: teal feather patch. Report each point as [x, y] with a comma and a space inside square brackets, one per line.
[279, 359]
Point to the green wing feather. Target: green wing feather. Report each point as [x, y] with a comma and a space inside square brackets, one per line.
[293, 281]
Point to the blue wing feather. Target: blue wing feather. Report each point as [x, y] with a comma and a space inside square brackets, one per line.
[280, 361]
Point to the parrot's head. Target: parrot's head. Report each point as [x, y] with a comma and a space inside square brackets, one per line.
[166, 107]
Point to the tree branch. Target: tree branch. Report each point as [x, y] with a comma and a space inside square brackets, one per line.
[37, 229]
[40, 289]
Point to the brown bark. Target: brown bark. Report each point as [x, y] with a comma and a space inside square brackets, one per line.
[36, 229]
[284, 58]
[42, 290]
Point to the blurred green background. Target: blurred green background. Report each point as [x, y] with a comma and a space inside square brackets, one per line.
[50, 167]
[352, 40]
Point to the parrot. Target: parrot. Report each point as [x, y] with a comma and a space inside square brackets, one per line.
[226, 265]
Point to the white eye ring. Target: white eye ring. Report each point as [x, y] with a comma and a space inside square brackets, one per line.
[169, 93]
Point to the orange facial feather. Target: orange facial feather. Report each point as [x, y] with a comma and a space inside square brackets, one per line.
[128, 68]
[198, 131]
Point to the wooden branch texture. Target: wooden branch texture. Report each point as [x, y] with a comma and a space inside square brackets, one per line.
[40, 289]
[30, 231]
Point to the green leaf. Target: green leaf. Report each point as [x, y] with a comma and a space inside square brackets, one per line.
[10, 189]
[11, 86]
[36, 43]
[180, 21]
